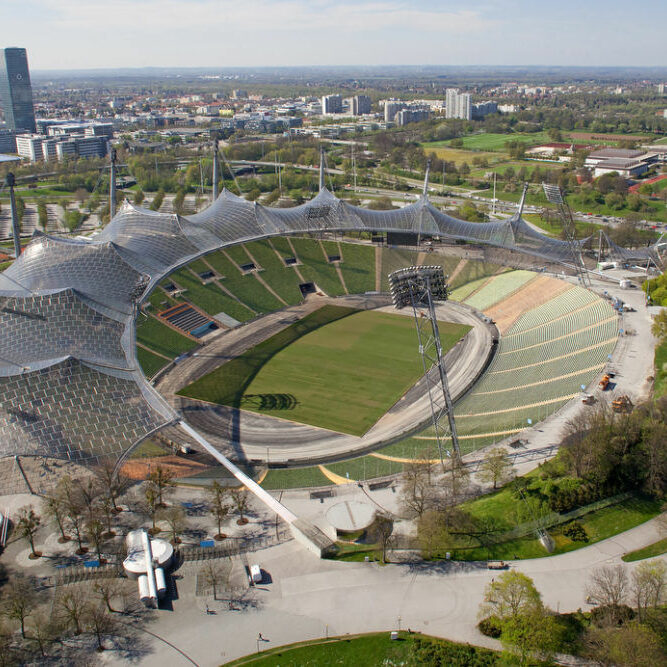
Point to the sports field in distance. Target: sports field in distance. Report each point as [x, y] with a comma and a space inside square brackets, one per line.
[338, 368]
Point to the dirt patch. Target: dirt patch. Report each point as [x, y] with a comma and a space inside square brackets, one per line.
[594, 136]
[533, 294]
[179, 467]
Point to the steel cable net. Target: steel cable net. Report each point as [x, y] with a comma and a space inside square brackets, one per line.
[70, 382]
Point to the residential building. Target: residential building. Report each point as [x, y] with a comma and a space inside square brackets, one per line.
[484, 109]
[415, 115]
[16, 91]
[391, 108]
[458, 105]
[332, 104]
[359, 105]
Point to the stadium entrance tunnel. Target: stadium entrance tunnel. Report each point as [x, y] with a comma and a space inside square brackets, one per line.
[307, 288]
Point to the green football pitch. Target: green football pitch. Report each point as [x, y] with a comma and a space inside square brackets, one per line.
[338, 368]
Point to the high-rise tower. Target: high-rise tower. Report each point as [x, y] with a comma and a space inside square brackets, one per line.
[16, 91]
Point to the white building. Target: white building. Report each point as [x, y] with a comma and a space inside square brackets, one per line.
[359, 105]
[458, 105]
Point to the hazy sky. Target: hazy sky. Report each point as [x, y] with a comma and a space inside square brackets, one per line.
[80, 34]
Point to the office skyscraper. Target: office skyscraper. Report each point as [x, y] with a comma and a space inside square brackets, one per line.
[16, 91]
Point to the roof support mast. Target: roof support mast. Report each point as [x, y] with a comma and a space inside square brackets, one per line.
[112, 183]
[321, 168]
[16, 228]
[556, 196]
[426, 175]
[215, 166]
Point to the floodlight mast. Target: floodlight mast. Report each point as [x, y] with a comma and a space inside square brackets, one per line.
[556, 196]
[112, 183]
[416, 286]
[214, 191]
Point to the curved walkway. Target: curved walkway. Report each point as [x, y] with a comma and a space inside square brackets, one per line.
[307, 599]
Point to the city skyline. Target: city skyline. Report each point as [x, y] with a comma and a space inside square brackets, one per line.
[208, 33]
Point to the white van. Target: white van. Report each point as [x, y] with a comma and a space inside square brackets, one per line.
[255, 574]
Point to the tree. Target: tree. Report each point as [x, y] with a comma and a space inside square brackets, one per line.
[71, 606]
[214, 576]
[150, 506]
[99, 622]
[495, 467]
[27, 525]
[107, 590]
[161, 478]
[418, 492]
[19, 600]
[659, 326]
[139, 197]
[42, 215]
[112, 482]
[74, 506]
[175, 519]
[95, 534]
[218, 494]
[511, 595]
[241, 501]
[648, 585]
[384, 527]
[55, 508]
[608, 586]
[44, 630]
[528, 635]
[631, 644]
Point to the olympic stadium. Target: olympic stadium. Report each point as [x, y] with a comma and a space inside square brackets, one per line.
[84, 322]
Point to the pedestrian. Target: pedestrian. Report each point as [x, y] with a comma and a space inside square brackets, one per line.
[207, 611]
[259, 636]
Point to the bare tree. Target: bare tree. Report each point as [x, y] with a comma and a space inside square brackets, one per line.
[161, 478]
[89, 492]
[241, 500]
[55, 508]
[112, 481]
[418, 493]
[44, 630]
[218, 494]
[71, 606]
[95, 533]
[99, 622]
[174, 517]
[19, 600]
[455, 482]
[608, 586]
[27, 525]
[214, 575]
[150, 506]
[649, 580]
[74, 506]
[496, 467]
[107, 589]
[384, 527]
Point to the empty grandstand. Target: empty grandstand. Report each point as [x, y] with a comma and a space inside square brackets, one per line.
[149, 262]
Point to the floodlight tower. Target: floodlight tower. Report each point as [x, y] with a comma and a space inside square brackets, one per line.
[419, 287]
[555, 195]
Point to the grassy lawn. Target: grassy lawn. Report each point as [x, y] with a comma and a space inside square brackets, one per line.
[651, 551]
[501, 510]
[490, 141]
[295, 478]
[343, 376]
[457, 155]
[358, 267]
[163, 339]
[371, 650]
[150, 363]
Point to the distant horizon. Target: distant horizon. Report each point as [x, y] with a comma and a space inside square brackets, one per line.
[66, 35]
